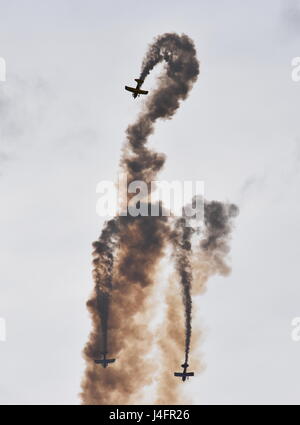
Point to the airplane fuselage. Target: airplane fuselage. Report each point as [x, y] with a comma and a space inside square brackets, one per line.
[136, 91]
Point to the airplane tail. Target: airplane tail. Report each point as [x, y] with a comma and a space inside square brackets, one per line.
[138, 80]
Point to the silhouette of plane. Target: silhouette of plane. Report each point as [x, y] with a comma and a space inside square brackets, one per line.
[184, 375]
[136, 91]
[104, 361]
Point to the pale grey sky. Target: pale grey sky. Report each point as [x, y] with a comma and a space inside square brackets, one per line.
[63, 113]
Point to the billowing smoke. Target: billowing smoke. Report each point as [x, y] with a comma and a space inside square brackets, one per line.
[128, 253]
[210, 256]
[199, 254]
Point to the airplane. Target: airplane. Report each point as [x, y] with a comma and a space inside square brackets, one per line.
[184, 375]
[104, 361]
[137, 90]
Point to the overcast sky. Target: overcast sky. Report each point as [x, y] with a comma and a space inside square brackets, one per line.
[63, 113]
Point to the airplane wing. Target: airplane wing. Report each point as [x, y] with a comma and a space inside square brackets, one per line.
[189, 374]
[178, 374]
[131, 89]
[142, 92]
[105, 361]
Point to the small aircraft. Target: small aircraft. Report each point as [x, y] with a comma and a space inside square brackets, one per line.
[104, 361]
[184, 375]
[136, 91]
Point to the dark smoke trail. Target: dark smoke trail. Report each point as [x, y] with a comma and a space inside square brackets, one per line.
[182, 69]
[98, 305]
[135, 248]
[183, 246]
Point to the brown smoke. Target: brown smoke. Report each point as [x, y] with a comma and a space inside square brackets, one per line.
[129, 249]
[171, 342]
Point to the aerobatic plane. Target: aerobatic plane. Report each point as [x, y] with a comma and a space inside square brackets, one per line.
[136, 91]
[104, 361]
[184, 375]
